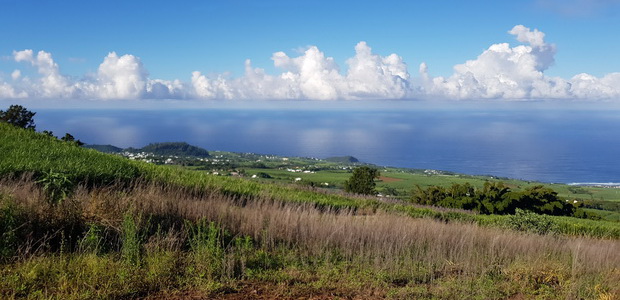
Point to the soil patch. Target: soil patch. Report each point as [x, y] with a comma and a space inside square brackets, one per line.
[389, 179]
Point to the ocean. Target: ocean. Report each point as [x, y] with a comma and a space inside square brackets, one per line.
[548, 141]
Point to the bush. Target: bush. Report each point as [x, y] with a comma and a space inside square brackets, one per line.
[531, 222]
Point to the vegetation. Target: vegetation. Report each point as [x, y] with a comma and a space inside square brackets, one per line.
[155, 239]
[19, 116]
[343, 159]
[70, 139]
[77, 223]
[362, 181]
[105, 148]
[496, 198]
[172, 149]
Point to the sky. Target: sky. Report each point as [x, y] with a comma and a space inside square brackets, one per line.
[316, 50]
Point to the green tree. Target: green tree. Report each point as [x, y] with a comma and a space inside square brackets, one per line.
[362, 181]
[69, 138]
[544, 200]
[19, 116]
[492, 198]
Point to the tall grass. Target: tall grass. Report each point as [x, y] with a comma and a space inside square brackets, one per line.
[211, 241]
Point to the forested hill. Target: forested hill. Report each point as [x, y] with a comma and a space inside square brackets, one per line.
[163, 149]
[105, 148]
[342, 159]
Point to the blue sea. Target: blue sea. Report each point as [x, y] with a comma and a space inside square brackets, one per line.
[557, 141]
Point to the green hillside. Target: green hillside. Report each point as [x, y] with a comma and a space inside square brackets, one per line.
[342, 159]
[172, 149]
[76, 223]
[160, 149]
[105, 148]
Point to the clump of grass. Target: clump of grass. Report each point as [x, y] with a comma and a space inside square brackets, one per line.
[92, 242]
[131, 240]
[205, 242]
[8, 228]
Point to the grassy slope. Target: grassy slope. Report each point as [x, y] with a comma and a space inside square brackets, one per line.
[384, 254]
[29, 152]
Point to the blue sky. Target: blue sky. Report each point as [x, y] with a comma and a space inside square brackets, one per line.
[169, 40]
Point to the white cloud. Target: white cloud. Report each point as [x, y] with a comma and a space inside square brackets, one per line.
[7, 91]
[16, 74]
[52, 83]
[517, 72]
[373, 76]
[121, 77]
[502, 71]
[586, 86]
[118, 77]
[312, 75]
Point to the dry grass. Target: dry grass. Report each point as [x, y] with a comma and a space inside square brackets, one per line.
[422, 249]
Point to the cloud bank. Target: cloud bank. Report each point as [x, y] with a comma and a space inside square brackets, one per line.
[502, 71]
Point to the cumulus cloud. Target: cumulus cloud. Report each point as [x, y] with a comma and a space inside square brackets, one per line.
[121, 77]
[502, 71]
[507, 72]
[312, 75]
[52, 83]
[117, 77]
[16, 74]
[8, 92]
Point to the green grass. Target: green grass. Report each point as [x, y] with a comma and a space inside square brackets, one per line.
[29, 152]
[25, 151]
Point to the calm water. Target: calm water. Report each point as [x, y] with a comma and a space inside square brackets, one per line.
[533, 141]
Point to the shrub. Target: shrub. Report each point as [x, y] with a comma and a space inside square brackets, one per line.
[531, 222]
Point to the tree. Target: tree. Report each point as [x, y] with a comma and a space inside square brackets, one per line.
[69, 138]
[19, 116]
[362, 181]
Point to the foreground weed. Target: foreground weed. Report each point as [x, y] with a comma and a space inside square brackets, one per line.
[56, 186]
[207, 251]
[8, 226]
[92, 240]
[131, 240]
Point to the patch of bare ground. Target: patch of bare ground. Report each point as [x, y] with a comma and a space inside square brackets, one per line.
[389, 179]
